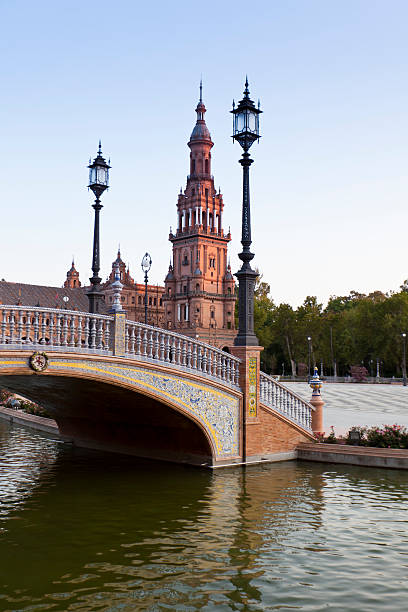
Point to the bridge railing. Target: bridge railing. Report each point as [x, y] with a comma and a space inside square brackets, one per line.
[286, 402]
[79, 332]
[66, 330]
[153, 343]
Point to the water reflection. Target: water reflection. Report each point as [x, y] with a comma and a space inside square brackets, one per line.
[88, 531]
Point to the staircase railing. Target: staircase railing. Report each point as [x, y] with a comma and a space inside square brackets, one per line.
[282, 399]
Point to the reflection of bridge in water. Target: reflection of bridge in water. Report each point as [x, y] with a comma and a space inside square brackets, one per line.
[125, 386]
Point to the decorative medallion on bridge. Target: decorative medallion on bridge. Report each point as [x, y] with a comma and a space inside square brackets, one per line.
[252, 374]
[39, 362]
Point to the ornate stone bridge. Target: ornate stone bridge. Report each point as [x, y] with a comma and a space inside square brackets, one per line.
[124, 386]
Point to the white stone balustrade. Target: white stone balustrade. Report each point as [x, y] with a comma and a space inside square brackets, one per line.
[154, 343]
[286, 402]
[80, 332]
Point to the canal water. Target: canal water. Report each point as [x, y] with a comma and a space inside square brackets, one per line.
[85, 531]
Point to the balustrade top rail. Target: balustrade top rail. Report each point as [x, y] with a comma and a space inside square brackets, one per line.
[81, 332]
[285, 401]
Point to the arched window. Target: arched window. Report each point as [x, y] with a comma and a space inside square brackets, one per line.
[139, 300]
[229, 290]
[197, 287]
[206, 166]
[192, 166]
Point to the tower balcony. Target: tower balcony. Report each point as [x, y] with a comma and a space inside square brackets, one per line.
[200, 176]
[201, 231]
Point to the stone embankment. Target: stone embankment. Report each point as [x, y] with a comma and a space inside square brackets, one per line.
[354, 455]
[29, 420]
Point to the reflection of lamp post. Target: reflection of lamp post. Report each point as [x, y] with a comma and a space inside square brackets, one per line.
[246, 131]
[404, 359]
[98, 182]
[309, 342]
[146, 265]
[283, 369]
[378, 368]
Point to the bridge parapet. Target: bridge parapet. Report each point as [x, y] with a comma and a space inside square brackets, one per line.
[81, 332]
[153, 343]
[65, 330]
[282, 399]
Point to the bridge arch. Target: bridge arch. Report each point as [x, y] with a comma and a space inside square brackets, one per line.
[141, 409]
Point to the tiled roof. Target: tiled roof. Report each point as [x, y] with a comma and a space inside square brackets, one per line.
[47, 297]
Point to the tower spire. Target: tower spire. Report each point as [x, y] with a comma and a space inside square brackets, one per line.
[201, 90]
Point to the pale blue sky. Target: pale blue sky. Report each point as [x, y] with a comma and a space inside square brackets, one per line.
[329, 184]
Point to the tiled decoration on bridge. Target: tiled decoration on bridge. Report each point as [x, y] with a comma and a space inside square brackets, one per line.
[217, 411]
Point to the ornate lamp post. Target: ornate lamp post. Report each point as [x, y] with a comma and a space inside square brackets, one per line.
[146, 265]
[98, 183]
[404, 359]
[246, 131]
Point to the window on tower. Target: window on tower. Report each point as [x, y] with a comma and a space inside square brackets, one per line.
[206, 166]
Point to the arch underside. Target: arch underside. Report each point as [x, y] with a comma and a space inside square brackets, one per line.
[106, 416]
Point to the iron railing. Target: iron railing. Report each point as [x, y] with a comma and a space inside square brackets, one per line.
[280, 398]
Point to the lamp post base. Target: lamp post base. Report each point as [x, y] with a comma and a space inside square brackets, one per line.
[246, 279]
[95, 297]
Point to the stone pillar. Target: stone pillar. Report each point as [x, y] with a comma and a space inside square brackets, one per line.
[118, 337]
[317, 403]
[249, 382]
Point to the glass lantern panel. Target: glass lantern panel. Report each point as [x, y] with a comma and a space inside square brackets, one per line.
[251, 122]
[240, 122]
[102, 176]
[92, 176]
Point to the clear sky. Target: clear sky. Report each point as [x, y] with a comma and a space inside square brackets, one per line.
[329, 184]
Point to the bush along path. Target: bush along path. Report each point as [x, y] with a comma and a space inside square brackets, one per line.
[385, 436]
[9, 400]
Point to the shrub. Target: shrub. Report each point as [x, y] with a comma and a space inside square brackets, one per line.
[331, 438]
[32, 408]
[319, 435]
[4, 396]
[387, 436]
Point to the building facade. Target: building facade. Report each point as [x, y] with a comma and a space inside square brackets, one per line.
[199, 297]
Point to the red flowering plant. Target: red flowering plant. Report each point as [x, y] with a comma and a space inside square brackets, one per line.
[386, 436]
[4, 396]
[319, 435]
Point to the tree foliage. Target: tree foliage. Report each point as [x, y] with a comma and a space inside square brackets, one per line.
[353, 330]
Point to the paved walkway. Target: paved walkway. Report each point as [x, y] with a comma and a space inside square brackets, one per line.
[348, 404]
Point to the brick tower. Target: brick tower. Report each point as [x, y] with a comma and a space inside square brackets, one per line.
[72, 281]
[199, 298]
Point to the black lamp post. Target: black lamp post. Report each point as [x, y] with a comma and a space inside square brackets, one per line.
[146, 265]
[246, 131]
[404, 359]
[309, 342]
[98, 183]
